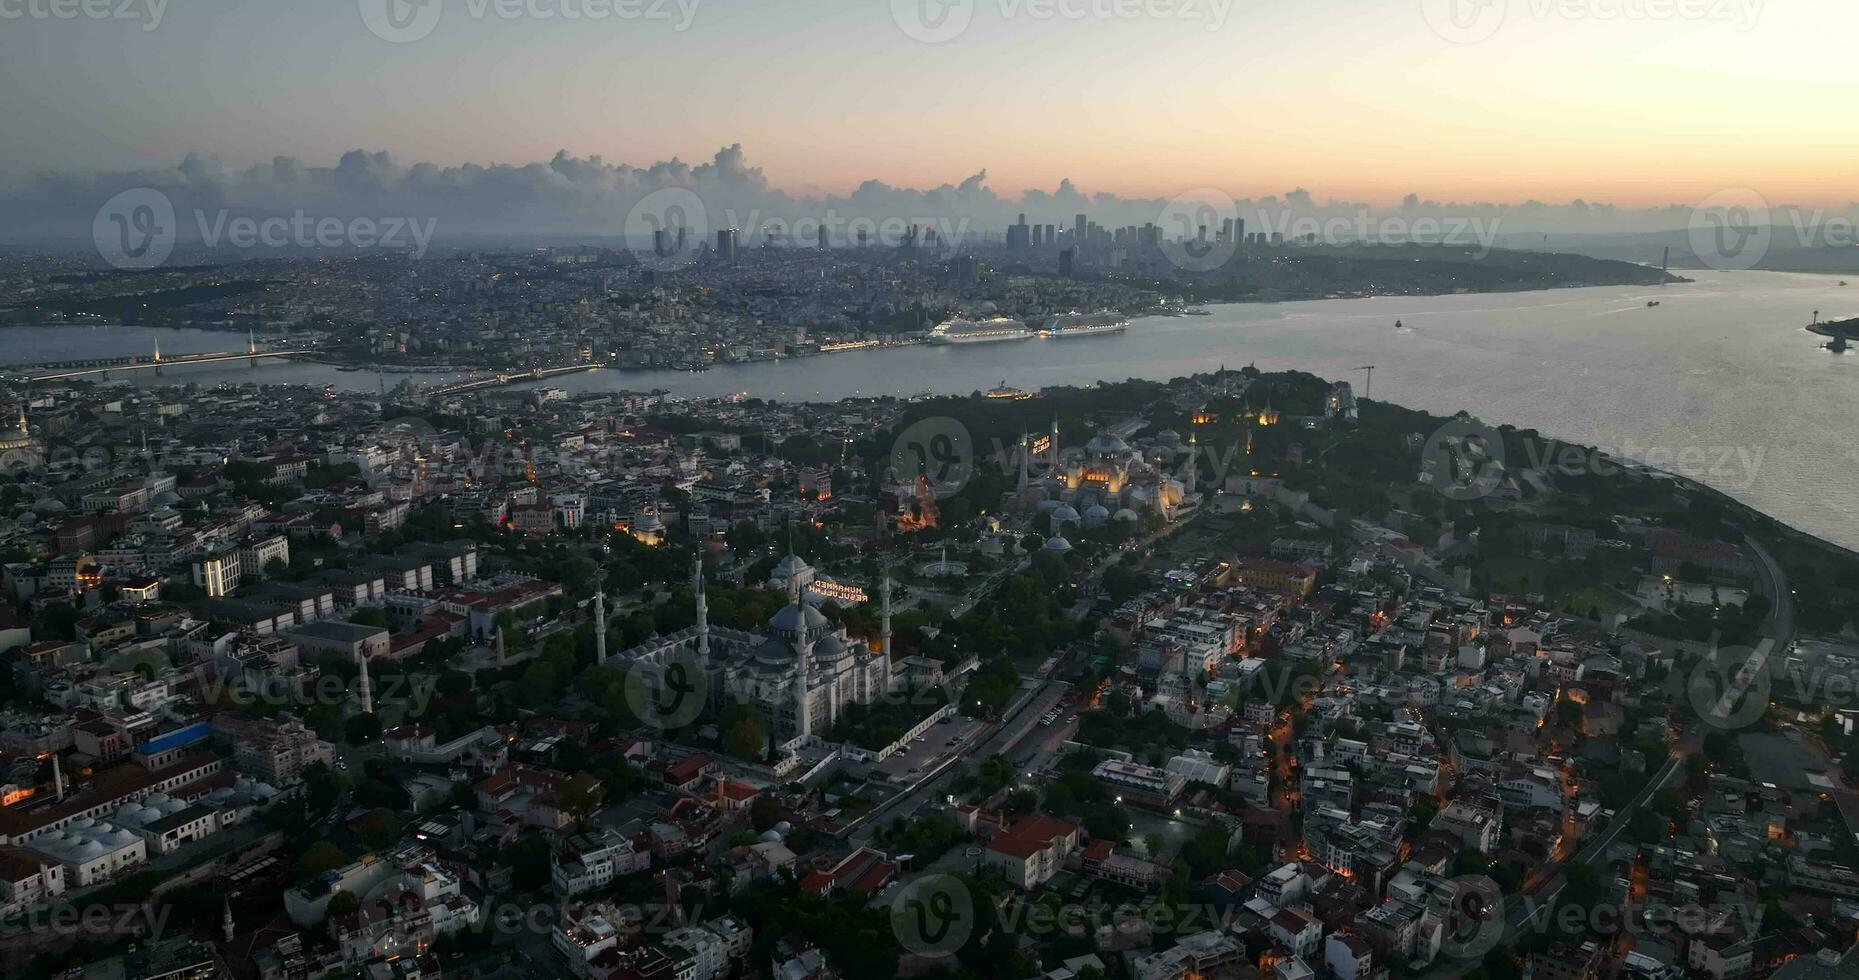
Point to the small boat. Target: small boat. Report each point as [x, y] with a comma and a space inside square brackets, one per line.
[1842, 282]
[1652, 303]
[1398, 325]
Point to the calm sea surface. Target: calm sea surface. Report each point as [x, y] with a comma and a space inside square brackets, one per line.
[1718, 382]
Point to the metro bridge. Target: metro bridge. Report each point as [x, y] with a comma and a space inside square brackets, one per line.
[73, 368]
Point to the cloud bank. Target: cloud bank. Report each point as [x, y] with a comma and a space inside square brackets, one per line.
[568, 199]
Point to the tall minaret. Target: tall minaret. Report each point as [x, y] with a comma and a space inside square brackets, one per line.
[500, 651]
[1026, 448]
[58, 778]
[225, 920]
[803, 659]
[1052, 450]
[367, 693]
[703, 616]
[884, 632]
[600, 626]
[1194, 462]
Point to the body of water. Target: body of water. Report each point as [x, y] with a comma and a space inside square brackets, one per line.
[1719, 381]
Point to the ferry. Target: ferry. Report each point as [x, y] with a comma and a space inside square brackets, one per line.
[1076, 324]
[960, 331]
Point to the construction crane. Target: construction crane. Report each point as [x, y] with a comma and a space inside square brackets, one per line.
[1369, 386]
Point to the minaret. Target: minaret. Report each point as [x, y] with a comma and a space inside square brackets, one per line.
[500, 651]
[1053, 449]
[884, 632]
[600, 627]
[58, 778]
[1026, 447]
[1194, 462]
[367, 694]
[703, 617]
[225, 920]
[803, 659]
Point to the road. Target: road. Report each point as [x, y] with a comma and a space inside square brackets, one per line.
[998, 737]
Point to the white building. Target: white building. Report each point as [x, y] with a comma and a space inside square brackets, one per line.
[92, 851]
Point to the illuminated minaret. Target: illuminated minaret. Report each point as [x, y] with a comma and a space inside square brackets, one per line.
[225, 919]
[1026, 449]
[600, 627]
[703, 617]
[1194, 462]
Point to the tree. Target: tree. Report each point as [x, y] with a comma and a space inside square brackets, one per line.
[380, 828]
[764, 812]
[342, 903]
[528, 860]
[320, 857]
[746, 733]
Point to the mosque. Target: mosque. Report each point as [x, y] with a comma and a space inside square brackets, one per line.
[800, 669]
[1109, 480]
[18, 451]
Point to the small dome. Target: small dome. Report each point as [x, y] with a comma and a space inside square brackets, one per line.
[1096, 514]
[1058, 543]
[1064, 515]
[774, 653]
[1047, 506]
[791, 619]
[1105, 444]
[830, 647]
[1126, 514]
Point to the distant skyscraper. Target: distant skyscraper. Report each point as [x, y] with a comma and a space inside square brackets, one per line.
[1078, 227]
[823, 243]
[864, 236]
[1020, 234]
[1065, 263]
[726, 244]
[1052, 234]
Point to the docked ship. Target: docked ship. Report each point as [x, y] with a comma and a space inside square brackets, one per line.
[960, 331]
[1082, 325]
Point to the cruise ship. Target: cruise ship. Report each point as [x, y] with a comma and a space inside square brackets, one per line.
[1083, 325]
[959, 331]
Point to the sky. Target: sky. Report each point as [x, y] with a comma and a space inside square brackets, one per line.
[1636, 103]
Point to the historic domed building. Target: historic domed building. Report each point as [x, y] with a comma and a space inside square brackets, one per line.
[18, 450]
[801, 669]
[1083, 487]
